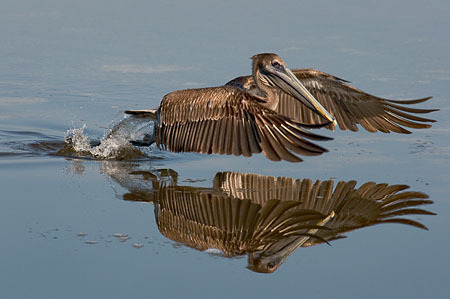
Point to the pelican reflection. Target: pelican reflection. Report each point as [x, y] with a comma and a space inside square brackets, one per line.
[266, 218]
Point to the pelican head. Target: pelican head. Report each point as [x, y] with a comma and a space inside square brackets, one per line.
[264, 264]
[273, 255]
[270, 71]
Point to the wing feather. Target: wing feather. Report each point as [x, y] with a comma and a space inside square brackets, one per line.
[229, 135]
[363, 108]
[407, 115]
[244, 138]
[405, 122]
[209, 137]
[354, 208]
[203, 138]
[200, 129]
[228, 120]
[218, 145]
[348, 104]
[235, 146]
[277, 144]
[252, 133]
[267, 148]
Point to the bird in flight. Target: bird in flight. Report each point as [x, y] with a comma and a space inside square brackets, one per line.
[272, 111]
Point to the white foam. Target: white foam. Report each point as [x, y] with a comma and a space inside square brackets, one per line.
[115, 144]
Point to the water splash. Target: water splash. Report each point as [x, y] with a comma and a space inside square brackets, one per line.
[115, 144]
[78, 139]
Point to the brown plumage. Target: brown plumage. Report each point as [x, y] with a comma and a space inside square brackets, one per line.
[270, 111]
[229, 120]
[348, 104]
[369, 204]
[266, 217]
[232, 123]
[269, 218]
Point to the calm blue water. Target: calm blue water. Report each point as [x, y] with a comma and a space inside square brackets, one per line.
[65, 64]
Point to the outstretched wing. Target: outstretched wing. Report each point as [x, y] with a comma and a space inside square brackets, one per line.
[354, 208]
[205, 219]
[228, 120]
[348, 104]
[371, 204]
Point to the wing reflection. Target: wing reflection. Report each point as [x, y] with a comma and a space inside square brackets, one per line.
[265, 217]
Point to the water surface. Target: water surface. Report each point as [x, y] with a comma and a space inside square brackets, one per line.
[79, 225]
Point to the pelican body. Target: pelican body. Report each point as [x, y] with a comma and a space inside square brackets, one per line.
[271, 112]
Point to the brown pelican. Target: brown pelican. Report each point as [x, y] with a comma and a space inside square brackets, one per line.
[230, 120]
[268, 111]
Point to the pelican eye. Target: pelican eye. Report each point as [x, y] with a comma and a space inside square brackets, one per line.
[277, 65]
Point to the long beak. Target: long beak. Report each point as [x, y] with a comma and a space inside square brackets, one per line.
[282, 254]
[302, 240]
[284, 79]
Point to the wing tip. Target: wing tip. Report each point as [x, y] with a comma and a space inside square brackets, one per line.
[410, 102]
